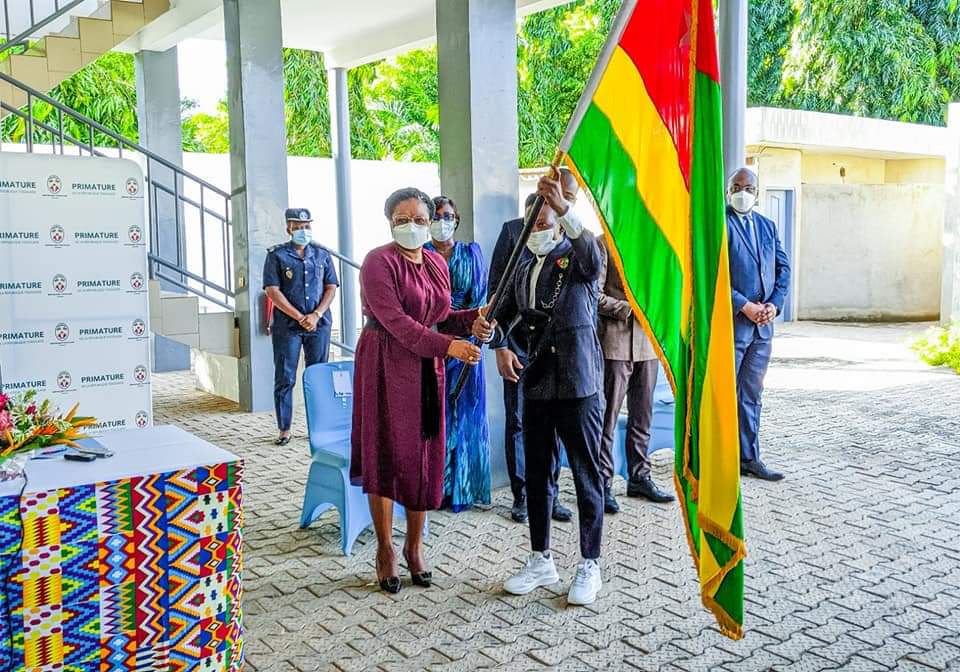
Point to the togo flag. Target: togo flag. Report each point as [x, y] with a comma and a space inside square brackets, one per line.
[646, 143]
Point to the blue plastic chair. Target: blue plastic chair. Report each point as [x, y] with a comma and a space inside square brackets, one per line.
[329, 421]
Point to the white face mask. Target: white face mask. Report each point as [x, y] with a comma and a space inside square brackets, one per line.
[443, 230]
[541, 243]
[743, 201]
[411, 236]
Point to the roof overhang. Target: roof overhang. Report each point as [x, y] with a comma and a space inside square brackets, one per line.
[349, 33]
[819, 132]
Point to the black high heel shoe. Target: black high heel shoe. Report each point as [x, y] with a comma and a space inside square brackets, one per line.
[391, 585]
[422, 579]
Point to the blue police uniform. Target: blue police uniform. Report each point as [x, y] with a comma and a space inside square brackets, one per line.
[302, 281]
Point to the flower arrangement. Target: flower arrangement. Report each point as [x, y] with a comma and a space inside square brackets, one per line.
[27, 425]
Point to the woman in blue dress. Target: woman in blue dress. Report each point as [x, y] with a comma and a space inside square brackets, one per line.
[466, 478]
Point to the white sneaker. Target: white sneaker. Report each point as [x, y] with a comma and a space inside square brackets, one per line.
[586, 584]
[537, 571]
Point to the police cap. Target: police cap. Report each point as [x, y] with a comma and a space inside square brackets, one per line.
[298, 215]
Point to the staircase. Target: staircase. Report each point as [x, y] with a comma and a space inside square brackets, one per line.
[55, 56]
[191, 299]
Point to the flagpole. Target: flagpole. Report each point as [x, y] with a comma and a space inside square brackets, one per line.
[506, 279]
[613, 39]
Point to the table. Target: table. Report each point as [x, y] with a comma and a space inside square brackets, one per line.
[130, 562]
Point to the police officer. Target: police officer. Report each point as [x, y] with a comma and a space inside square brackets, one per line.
[552, 310]
[300, 279]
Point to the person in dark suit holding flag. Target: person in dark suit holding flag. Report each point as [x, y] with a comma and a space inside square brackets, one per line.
[511, 357]
[760, 275]
[551, 310]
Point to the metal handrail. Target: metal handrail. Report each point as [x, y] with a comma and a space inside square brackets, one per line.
[164, 180]
[35, 25]
[100, 128]
[346, 260]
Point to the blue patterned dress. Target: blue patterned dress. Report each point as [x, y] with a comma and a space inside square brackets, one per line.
[466, 477]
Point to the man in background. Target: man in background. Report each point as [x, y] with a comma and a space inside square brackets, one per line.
[760, 275]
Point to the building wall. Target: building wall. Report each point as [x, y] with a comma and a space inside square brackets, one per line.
[826, 169]
[870, 252]
[917, 171]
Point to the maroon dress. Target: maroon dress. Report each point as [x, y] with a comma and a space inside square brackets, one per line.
[393, 456]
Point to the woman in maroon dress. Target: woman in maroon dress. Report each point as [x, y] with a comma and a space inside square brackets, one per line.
[398, 429]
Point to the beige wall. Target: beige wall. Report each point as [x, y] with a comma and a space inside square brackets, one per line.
[870, 252]
[825, 169]
[916, 171]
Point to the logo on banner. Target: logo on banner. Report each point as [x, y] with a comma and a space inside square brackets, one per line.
[138, 328]
[54, 184]
[57, 234]
[59, 283]
[137, 282]
[102, 380]
[61, 334]
[94, 188]
[13, 288]
[119, 423]
[64, 380]
[133, 186]
[20, 237]
[18, 186]
[96, 237]
[101, 333]
[135, 234]
[14, 386]
[141, 419]
[140, 374]
[98, 285]
[21, 337]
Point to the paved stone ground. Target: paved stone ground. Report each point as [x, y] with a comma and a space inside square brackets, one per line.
[854, 560]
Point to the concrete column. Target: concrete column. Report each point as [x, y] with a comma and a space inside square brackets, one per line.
[158, 123]
[258, 176]
[477, 59]
[950, 291]
[733, 80]
[340, 146]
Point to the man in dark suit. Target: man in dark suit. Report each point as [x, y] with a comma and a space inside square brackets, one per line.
[552, 309]
[760, 275]
[511, 356]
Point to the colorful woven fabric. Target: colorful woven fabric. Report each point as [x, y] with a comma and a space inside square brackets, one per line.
[139, 574]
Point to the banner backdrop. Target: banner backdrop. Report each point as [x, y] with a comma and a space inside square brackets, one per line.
[73, 285]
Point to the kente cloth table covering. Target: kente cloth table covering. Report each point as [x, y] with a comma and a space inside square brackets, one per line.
[128, 563]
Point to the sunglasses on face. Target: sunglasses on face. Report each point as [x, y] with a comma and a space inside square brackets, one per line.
[403, 221]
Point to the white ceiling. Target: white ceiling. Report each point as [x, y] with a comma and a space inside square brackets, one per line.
[348, 32]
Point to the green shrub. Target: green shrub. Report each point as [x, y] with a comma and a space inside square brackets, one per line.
[940, 346]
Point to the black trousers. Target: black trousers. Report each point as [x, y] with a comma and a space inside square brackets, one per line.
[578, 423]
[513, 439]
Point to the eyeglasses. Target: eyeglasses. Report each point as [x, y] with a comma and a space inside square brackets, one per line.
[446, 217]
[403, 221]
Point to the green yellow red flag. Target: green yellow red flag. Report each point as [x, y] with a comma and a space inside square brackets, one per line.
[646, 143]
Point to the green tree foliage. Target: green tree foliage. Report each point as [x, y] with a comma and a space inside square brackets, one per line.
[105, 91]
[556, 52]
[894, 59]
